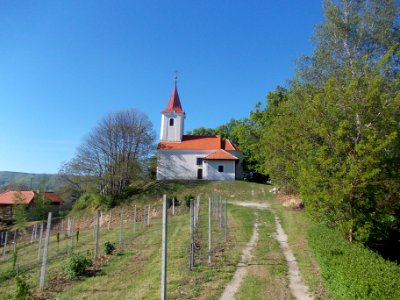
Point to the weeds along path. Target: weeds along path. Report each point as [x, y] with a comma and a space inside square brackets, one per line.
[297, 287]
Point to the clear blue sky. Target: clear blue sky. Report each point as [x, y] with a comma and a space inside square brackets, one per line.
[65, 64]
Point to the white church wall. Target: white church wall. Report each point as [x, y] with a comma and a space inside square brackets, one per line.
[180, 164]
[212, 172]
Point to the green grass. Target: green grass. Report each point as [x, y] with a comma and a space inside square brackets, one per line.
[267, 271]
[133, 271]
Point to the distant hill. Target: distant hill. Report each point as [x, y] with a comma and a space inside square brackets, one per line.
[28, 181]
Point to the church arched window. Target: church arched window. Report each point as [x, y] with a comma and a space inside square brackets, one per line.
[171, 122]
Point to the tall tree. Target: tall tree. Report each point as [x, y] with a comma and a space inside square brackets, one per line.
[110, 155]
[355, 33]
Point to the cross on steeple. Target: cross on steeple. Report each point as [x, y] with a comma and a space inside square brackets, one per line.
[176, 76]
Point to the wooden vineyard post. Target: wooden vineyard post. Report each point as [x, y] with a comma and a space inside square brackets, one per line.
[134, 219]
[15, 240]
[109, 220]
[5, 244]
[121, 224]
[209, 229]
[40, 240]
[148, 215]
[191, 253]
[164, 251]
[46, 247]
[226, 221]
[96, 235]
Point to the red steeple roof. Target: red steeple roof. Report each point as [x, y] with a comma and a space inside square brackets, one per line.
[174, 102]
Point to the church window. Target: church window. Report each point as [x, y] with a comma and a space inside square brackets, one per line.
[221, 169]
[171, 122]
[199, 161]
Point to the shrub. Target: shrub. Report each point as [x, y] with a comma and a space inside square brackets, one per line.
[109, 248]
[187, 199]
[7, 274]
[76, 265]
[172, 199]
[22, 291]
[350, 270]
[92, 201]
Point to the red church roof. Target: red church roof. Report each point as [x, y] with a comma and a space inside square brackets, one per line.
[174, 102]
[196, 142]
[221, 155]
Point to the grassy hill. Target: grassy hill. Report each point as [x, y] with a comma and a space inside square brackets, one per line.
[23, 181]
[133, 270]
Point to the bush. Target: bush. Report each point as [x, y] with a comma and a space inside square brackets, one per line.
[22, 291]
[187, 199]
[172, 199]
[350, 270]
[109, 248]
[7, 274]
[92, 201]
[76, 265]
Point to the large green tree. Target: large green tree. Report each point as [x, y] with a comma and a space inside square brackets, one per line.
[334, 137]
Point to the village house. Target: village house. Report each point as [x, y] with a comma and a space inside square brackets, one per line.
[8, 201]
[193, 157]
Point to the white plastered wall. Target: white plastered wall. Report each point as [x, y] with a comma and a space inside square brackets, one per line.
[212, 173]
[180, 164]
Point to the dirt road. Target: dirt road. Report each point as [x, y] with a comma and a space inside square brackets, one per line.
[297, 287]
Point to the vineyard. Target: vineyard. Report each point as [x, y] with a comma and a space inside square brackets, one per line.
[132, 269]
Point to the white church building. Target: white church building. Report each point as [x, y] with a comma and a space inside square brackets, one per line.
[191, 157]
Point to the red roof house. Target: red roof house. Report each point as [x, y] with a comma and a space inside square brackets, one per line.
[9, 199]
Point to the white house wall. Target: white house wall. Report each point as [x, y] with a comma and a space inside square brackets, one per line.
[212, 169]
[180, 164]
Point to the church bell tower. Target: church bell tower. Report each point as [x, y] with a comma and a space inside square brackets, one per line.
[172, 119]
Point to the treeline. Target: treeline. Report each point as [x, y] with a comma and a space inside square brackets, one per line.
[333, 133]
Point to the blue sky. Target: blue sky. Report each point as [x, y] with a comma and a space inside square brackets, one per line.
[66, 64]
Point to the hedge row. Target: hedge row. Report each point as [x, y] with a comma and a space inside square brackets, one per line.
[351, 271]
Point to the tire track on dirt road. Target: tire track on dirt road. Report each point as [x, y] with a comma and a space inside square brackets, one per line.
[297, 287]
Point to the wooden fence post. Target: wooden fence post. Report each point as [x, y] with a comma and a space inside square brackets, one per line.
[109, 220]
[191, 252]
[15, 240]
[96, 235]
[5, 244]
[46, 246]
[121, 224]
[148, 215]
[40, 240]
[226, 220]
[134, 219]
[209, 229]
[164, 251]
